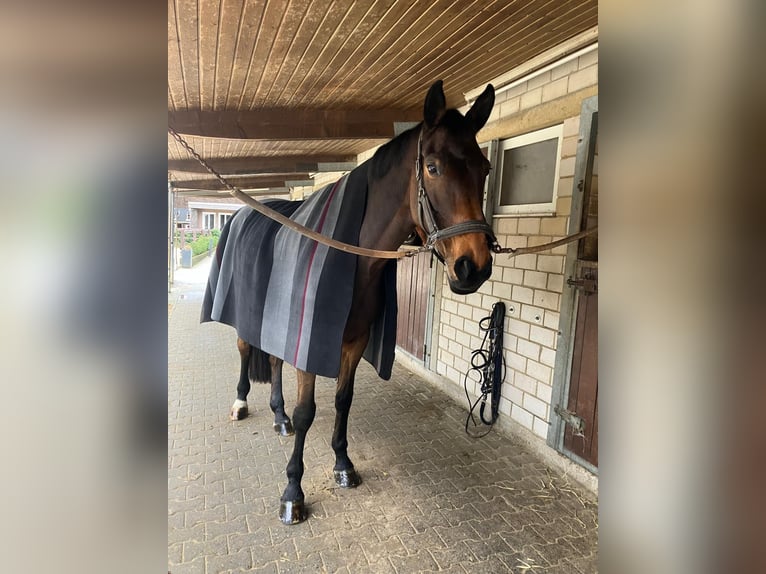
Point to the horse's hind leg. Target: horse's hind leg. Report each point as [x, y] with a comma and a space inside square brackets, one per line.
[292, 509]
[282, 423]
[239, 408]
[345, 474]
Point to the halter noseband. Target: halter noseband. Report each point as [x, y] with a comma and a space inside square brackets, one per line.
[427, 220]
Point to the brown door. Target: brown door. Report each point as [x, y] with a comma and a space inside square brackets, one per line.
[581, 438]
[412, 282]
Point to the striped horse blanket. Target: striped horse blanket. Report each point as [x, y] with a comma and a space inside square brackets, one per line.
[291, 296]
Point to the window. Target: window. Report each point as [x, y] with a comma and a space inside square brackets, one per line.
[223, 218]
[208, 221]
[529, 172]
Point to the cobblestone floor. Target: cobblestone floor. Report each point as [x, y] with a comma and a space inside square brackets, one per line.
[432, 499]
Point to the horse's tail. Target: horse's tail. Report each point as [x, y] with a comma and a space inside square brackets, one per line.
[259, 368]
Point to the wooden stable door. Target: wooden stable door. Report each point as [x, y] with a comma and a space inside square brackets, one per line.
[412, 290]
[582, 439]
[574, 428]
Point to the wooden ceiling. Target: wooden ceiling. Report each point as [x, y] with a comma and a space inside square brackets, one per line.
[274, 91]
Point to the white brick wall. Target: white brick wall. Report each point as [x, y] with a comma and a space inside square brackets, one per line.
[530, 285]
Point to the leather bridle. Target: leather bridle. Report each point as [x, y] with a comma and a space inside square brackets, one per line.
[427, 219]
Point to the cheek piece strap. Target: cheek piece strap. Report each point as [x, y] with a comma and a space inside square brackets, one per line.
[427, 219]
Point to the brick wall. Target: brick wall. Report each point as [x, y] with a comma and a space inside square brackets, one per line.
[530, 285]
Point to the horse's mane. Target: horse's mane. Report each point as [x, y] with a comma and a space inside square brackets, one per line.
[391, 154]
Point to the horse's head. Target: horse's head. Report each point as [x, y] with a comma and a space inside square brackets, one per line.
[450, 178]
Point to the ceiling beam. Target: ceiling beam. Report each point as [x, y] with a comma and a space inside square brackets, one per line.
[291, 124]
[253, 193]
[298, 180]
[268, 165]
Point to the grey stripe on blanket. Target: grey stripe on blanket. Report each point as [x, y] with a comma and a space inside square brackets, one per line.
[290, 296]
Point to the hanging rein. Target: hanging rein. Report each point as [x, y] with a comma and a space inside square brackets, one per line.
[426, 219]
[488, 364]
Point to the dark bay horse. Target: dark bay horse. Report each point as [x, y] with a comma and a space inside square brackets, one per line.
[429, 179]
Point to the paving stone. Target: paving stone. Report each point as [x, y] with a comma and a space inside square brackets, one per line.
[432, 499]
[238, 542]
[175, 553]
[419, 562]
[268, 568]
[584, 565]
[237, 560]
[492, 564]
[194, 567]
[215, 547]
[312, 563]
[458, 553]
[582, 545]
[216, 529]
[186, 534]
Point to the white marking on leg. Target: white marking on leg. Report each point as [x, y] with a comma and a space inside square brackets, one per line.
[238, 404]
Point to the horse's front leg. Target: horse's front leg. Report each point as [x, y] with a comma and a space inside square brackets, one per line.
[292, 509]
[282, 423]
[345, 474]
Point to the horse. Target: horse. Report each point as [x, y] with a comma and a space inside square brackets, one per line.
[428, 180]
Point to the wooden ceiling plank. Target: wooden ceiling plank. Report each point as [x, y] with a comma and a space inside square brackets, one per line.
[176, 95]
[226, 47]
[544, 59]
[242, 183]
[306, 30]
[306, 65]
[266, 35]
[328, 55]
[339, 76]
[428, 34]
[290, 124]
[289, 164]
[474, 49]
[187, 24]
[291, 23]
[221, 194]
[276, 149]
[316, 21]
[438, 35]
[505, 38]
[209, 15]
[244, 26]
[392, 43]
[241, 179]
[524, 51]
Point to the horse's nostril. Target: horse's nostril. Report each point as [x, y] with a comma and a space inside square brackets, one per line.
[464, 268]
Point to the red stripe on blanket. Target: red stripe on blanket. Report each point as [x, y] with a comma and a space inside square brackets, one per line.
[320, 227]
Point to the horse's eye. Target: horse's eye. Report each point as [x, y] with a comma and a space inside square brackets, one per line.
[432, 169]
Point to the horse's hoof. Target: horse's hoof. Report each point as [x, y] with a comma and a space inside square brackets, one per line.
[347, 478]
[238, 413]
[284, 428]
[292, 511]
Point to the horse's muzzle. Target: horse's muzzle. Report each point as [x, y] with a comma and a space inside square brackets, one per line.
[468, 277]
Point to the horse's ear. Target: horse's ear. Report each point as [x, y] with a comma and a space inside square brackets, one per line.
[435, 104]
[481, 108]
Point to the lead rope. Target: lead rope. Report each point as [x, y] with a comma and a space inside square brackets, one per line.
[289, 223]
[488, 362]
[355, 249]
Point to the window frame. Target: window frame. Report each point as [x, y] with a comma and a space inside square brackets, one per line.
[204, 219]
[531, 209]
